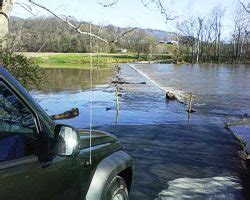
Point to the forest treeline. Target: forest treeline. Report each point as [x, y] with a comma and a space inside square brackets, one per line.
[199, 39]
[52, 35]
[202, 38]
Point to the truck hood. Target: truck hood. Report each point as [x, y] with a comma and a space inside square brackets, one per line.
[98, 137]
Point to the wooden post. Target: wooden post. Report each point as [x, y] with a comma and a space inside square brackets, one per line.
[189, 116]
[117, 98]
[117, 105]
[190, 103]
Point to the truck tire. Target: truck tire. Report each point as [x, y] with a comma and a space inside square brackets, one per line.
[117, 189]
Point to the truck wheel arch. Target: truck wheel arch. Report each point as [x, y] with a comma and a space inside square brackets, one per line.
[118, 163]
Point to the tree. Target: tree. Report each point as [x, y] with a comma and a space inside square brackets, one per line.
[187, 40]
[5, 9]
[199, 30]
[22, 68]
[240, 34]
[217, 14]
[139, 42]
[201, 38]
[6, 6]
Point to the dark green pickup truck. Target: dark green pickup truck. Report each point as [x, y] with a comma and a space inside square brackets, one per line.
[40, 159]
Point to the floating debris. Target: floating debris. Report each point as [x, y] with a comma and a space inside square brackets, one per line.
[125, 82]
[108, 108]
[170, 96]
[74, 112]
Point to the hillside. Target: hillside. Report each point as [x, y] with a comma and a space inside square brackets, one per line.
[51, 35]
[160, 35]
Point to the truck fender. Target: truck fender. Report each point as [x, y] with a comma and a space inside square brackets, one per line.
[108, 168]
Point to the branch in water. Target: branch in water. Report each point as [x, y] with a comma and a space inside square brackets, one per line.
[74, 112]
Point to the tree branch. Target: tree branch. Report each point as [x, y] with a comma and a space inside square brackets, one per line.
[160, 5]
[164, 12]
[69, 23]
[123, 35]
[109, 4]
[245, 8]
[25, 7]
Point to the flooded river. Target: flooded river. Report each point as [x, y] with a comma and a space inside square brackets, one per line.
[169, 147]
[222, 90]
[69, 88]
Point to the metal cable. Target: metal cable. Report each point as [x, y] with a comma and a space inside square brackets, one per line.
[91, 94]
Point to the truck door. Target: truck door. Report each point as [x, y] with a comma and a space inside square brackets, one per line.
[22, 176]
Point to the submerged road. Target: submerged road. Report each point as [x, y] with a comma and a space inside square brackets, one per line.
[164, 153]
[177, 159]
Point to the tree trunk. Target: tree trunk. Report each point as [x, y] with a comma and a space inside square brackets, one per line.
[138, 54]
[5, 9]
[198, 51]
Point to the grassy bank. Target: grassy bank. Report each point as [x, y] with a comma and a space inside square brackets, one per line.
[74, 59]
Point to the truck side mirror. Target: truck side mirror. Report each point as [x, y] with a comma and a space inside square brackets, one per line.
[66, 140]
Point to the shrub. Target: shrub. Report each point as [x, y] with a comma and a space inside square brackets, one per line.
[22, 68]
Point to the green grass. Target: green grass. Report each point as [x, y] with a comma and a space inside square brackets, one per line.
[75, 65]
[79, 60]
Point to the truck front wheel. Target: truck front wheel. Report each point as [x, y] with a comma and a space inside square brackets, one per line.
[117, 189]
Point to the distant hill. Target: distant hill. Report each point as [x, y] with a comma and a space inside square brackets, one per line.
[51, 35]
[160, 35]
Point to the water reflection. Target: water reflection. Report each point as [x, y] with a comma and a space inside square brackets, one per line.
[58, 80]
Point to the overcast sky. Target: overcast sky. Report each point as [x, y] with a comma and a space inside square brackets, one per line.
[132, 12]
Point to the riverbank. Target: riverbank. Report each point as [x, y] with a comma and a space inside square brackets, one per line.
[74, 60]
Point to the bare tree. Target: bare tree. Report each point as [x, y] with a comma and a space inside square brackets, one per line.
[6, 7]
[217, 14]
[187, 31]
[240, 34]
[208, 38]
[199, 30]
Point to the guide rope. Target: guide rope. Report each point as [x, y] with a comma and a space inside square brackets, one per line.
[91, 93]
